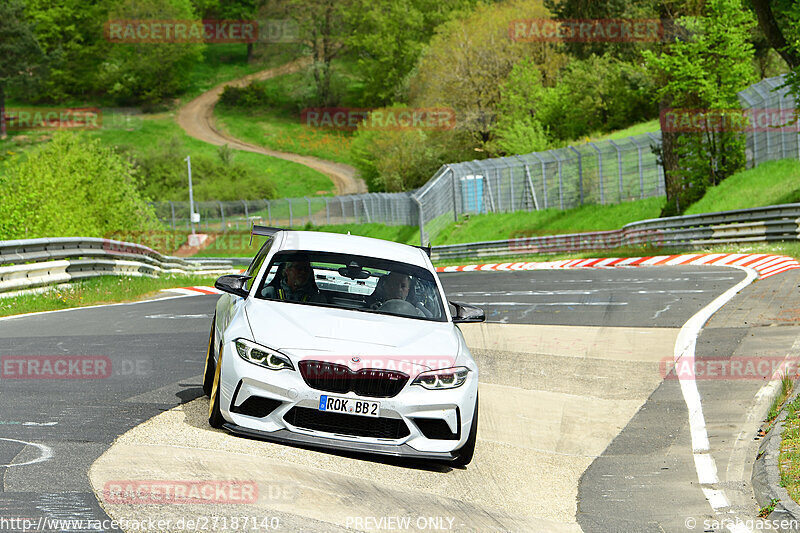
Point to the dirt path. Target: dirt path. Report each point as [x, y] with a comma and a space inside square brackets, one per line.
[197, 120]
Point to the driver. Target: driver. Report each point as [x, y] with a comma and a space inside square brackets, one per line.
[296, 284]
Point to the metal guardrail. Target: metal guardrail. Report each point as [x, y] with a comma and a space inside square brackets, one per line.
[33, 263]
[773, 223]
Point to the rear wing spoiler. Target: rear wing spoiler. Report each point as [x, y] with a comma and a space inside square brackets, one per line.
[263, 231]
[426, 249]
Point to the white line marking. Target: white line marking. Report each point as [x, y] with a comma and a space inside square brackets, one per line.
[45, 453]
[705, 466]
[685, 349]
[716, 498]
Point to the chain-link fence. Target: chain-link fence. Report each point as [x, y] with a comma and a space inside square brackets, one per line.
[384, 208]
[772, 133]
[603, 172]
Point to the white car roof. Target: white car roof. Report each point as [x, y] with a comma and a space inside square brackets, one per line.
[317, 241]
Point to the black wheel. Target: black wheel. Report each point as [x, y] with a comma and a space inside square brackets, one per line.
[215, 419]
[210, 366]
[466, 452]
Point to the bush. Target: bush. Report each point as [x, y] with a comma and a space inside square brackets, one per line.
[71, 187]
[599, 94]
[164, 176]
[394, 160]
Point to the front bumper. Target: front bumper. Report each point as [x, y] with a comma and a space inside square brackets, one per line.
[284, 436]
[241, 380]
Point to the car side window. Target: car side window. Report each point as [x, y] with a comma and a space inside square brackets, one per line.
[258, 260]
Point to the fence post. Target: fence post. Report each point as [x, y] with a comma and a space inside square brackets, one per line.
[421, 221]
[619, 167]
[291, 218]
[327, 211]
[600, 171]
[544, 177]
[641, 170]
[455, 202]
[172, 208]
[661, 176]
[341, 204]
[560, 179]
[309, 210]
[580, 171]
[222, 215]
[246, 213]
[269, 211]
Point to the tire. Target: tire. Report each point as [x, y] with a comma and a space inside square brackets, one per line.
[466, 452]
[215, 419]
[210, 366]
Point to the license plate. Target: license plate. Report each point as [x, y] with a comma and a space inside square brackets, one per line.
[349, 406]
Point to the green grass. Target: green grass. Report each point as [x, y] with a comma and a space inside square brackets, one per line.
[290, 179]
[225, 62]
[789, 458]
[502, 226]
[772, 183]
[279, 125]
[652, 126]
[283, 131]
[104, 289]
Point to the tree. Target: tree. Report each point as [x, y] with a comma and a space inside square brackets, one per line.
[20, 53]
[70, 33]
[705, 71]
[469, 59]
[387, 38]
[228, 10]
[148, 73]
[780, 31]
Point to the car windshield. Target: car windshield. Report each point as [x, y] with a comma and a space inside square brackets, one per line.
[352, 282]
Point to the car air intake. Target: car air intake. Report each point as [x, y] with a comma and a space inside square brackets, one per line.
[256, 406]
[343, 424]
[435, 428]
[371, 382]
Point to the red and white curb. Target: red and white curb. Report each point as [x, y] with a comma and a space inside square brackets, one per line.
[194, 291]
[764, 264]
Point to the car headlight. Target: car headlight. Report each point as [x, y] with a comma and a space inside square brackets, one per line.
[263, 356]
[447, 378]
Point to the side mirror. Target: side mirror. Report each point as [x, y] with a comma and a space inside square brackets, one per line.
[233, 284]
[466, 313]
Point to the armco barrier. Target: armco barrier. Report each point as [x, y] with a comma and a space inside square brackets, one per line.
[32, 263]
[774, 223]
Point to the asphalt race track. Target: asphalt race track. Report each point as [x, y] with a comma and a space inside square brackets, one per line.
[578, 429]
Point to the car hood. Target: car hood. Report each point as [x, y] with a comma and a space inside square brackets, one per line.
[341, 335]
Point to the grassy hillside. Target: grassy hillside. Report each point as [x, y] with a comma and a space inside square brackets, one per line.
[149, 131]
[773, 183]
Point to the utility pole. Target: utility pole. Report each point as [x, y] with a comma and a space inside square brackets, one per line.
[192, 216]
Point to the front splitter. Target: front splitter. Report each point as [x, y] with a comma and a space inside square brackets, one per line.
[284, 436]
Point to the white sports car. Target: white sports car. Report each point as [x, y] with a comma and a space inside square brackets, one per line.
[345, 343]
